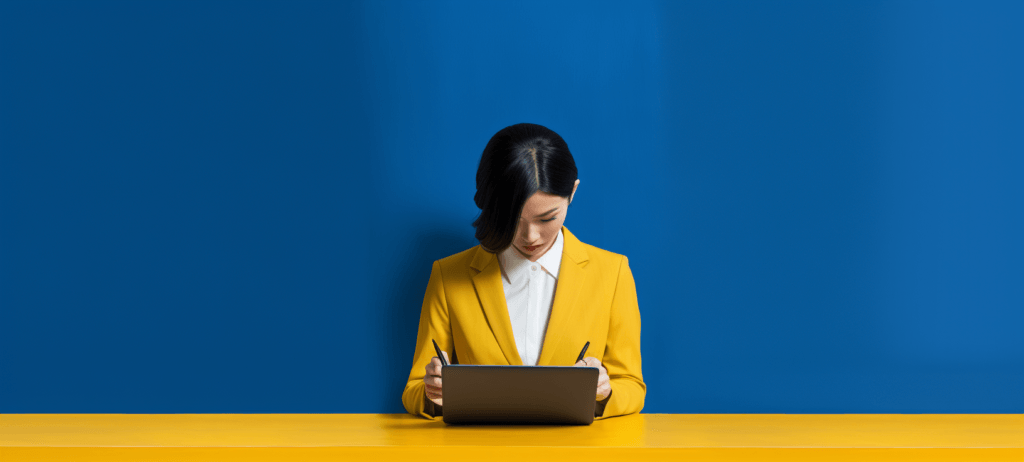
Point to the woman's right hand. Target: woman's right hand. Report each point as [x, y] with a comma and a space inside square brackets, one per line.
[432, 379]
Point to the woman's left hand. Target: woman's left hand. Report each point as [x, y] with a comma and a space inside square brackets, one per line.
[604, 387]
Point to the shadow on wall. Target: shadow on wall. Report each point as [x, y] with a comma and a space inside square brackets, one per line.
[433, 242]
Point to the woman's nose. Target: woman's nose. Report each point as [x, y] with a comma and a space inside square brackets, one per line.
[531, 234]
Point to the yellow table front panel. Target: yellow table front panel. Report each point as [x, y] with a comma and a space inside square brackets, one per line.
[113, 437]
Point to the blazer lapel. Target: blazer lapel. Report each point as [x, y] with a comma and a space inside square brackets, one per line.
[571, 278]
[492, 298]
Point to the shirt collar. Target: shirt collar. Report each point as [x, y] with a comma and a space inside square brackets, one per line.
[515, 265]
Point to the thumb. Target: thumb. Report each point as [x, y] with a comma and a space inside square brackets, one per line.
[445, 353]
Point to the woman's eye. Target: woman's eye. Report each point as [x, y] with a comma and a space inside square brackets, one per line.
[550, 219]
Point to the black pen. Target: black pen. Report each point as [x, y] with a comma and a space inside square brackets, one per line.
[580, 358]
[444, 362]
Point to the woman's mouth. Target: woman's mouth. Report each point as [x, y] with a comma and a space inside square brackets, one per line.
[531, 248]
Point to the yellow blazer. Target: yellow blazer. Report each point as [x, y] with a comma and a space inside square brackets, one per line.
[595, 300]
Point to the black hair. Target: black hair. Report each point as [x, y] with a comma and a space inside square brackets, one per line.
[518, 161]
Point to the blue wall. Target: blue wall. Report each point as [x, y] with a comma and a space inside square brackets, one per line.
[234, 207]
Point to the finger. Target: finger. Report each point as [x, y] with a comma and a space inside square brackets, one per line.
[445, 353]
[581, 363]
[434, 369]
[432, 381]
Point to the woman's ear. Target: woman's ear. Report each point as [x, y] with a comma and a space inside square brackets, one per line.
[574, 186]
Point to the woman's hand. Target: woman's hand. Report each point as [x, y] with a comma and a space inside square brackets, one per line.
[432, 379]
[604, 387]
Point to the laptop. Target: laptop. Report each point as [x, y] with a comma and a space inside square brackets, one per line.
[519, 394]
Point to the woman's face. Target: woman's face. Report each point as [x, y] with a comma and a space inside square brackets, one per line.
[543, 215]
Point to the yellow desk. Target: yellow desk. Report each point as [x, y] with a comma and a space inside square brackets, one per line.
[166, 437]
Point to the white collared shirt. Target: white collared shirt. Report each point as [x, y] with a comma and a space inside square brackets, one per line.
[529, 293]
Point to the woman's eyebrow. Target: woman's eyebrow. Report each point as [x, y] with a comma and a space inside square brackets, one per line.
[545, 213]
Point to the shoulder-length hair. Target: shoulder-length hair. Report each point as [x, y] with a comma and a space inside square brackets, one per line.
[518, 161]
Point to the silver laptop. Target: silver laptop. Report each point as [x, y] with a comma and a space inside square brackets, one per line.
[519, 394]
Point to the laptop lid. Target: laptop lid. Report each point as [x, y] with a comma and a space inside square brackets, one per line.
[519, 394]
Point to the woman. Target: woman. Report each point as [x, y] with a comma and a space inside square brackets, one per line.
[531, 293]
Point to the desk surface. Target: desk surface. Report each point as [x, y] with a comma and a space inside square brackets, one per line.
[701, 436]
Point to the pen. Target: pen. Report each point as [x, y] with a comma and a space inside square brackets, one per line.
[444, 362]
[580, 358]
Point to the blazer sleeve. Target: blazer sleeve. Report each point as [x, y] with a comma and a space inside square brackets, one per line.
[622, 353]
[434, 324]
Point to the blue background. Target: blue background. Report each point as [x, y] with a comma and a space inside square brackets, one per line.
[234, 206]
